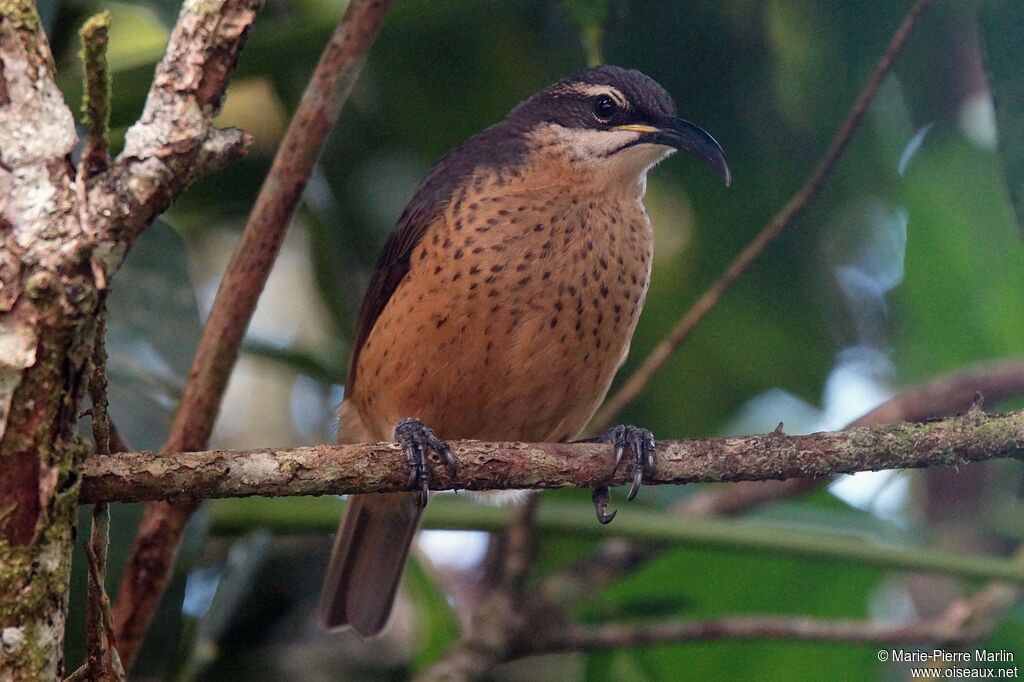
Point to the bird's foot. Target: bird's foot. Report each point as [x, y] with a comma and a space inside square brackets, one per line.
[416, 438]
[640, 443]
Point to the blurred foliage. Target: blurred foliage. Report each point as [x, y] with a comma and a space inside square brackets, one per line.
[909, 264]
[1000, 20]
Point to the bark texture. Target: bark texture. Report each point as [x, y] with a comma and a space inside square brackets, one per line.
[381, 467]
[64, 235]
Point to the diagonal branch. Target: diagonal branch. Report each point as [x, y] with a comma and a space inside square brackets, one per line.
[163, 525]
[375, 468]
[328, 89]
[803, 198]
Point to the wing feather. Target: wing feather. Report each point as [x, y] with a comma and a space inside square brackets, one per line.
[495, 148]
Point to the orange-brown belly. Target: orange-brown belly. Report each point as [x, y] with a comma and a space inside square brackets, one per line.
[510, 333]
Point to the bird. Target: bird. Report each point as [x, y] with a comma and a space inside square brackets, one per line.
[502, 305]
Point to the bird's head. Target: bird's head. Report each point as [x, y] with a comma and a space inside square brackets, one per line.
[613, 123]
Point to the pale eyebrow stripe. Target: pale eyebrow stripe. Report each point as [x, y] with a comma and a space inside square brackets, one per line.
[590, 90]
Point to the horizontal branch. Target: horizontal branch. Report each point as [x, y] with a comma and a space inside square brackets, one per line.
[805, 629]
[381, 467]
[964, 622]
[642, 527]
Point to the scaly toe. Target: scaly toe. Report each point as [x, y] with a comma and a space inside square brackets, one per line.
[416, 439]
[641, 445]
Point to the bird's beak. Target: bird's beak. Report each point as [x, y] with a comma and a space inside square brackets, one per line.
[686, 137]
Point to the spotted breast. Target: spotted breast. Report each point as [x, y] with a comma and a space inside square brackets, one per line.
[516, 311]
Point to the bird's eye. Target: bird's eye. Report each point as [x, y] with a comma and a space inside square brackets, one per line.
[605, 107]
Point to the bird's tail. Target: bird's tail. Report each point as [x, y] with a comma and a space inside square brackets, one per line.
[367, 561]
[370, 548]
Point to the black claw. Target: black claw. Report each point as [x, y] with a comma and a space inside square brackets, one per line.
[634, 488]
[601, 498]
[619, 450]
[640, 443]
[416, 438]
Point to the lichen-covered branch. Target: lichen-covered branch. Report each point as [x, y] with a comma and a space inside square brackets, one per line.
[174, 141]
[44, 330]
[64, 231]
[335, 469]
[96, 94]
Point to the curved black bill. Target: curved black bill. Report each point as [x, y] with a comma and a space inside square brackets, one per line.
[691, 138]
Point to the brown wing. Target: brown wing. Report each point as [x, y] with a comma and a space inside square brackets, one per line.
[391, 268]
[495, 147]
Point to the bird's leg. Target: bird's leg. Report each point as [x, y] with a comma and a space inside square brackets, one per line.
[416, 438]
[640, 443]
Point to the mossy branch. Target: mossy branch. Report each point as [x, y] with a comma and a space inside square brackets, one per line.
[96, 83]
[21, 13]
[72, 230]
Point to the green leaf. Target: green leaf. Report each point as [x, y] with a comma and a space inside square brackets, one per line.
[436, 626]
[1002, 24]
[963, 263]
[710, 583]
[153, 330]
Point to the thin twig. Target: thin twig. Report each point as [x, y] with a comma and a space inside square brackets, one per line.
[98, 387]
[163, 525]
[635, 384]
[108, 666]
[761, 628]
[95, 158]
[101, 644]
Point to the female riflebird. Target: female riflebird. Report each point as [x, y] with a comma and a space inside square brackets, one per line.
[503, 303]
